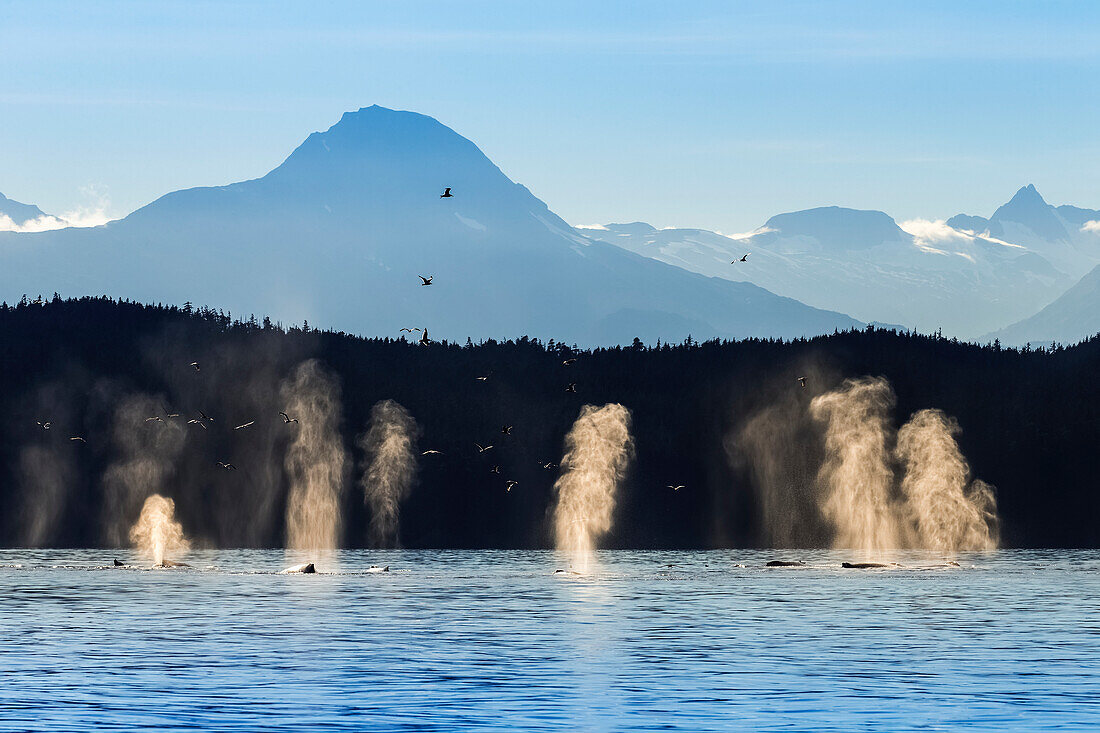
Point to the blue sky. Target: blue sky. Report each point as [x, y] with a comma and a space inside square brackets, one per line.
[708, 114]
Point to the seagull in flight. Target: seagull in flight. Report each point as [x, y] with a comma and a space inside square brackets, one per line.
[168, 414]
[510, 484]
[432, 453]
[424, 340]
[676, 488]
[571, 387]
[227, 466]
[409, 330]
[495, 469]
[197, 422]
[155, 418]
[802, 381]
[505, 429]
[194, 365]
[446, 194]
[548, 465]
[567, 362]
[204, 416]
[744, 258]
[248, 424]
[77, 437]
[287, 419]
[43, 425]
[426, 280]
[482, 448]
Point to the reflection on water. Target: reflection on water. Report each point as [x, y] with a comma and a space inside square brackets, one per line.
[496, 640]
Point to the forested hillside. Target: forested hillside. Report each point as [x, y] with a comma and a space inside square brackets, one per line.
[114, 373]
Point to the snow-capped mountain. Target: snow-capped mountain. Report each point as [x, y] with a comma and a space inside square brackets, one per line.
[339, 232]
[962, 275]
[1058, 234]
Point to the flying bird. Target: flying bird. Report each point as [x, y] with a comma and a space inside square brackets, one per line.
[194, 365]
[287, 419]
[508, 486]
[248, 424]
[197, 422]
[571, 387]
[495, 469]
[426, 280]
[482, 448]
[155, 418]
[432, 453]
[424, 340]
[43, 425]
[227, 466]
[482, 379]
[168, 414]
[446, 194]
[409, 330]
[204, 416]
[548, 465]
[567, 362]
[676, 488]
[744, 258]
[505, 429]
[802, 381]
[77, 437]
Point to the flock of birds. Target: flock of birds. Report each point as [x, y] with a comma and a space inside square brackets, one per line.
[506, 430]
[201, 422]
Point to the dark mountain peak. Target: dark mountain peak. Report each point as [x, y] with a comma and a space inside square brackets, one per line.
[1028, 195]
[969, 223]
[374, 164]
[1029, 209]
[837, 227]
[377, 140]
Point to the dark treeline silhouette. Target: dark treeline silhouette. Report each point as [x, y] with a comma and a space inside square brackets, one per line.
[1029, 424]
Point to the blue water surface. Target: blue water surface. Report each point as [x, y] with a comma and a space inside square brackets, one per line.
[487, 640]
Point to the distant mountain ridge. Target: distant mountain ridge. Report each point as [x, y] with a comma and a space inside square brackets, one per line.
[338, 233]
[966, 276]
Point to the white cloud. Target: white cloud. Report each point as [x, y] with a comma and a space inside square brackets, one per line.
[46, 223]
[932, 232]
[748, 235]
[1091, 226]
[597, 227]
[92, 215]
[935, 231]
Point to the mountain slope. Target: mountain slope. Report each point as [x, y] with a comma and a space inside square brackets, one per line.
[338, 233]
[1071, 318]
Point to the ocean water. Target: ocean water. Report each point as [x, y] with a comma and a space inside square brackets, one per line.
[476, 640]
